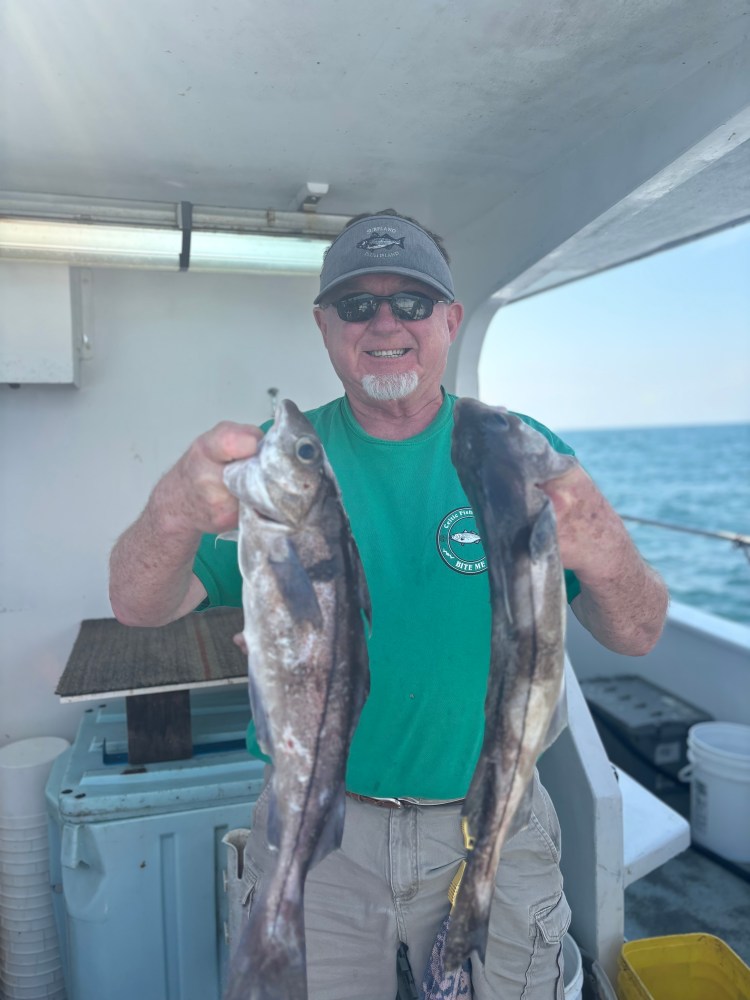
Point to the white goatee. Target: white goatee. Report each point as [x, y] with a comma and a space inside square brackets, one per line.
[390, 386]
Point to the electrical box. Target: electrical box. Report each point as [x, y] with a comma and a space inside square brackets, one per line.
[38, 336]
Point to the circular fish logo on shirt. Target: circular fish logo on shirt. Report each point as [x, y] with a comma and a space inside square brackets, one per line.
[459, 542]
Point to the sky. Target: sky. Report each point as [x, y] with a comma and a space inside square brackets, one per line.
[662, 341]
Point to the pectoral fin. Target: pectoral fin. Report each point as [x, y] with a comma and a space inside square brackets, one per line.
[296, 587]
[330, 838]
[543, 533]
[258, 712]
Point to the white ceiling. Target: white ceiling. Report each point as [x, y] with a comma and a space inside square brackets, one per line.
[511, 126]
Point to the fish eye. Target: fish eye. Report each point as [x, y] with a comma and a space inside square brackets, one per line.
[306, 450]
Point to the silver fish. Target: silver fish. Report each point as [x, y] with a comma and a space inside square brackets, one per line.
[466, 537]
[305, 602]
[499, 460]
[380, 241]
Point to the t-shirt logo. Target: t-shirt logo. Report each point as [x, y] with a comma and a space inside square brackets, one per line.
[459, 542]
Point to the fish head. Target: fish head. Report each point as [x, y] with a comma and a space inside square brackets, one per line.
[490, 436]
[481, 434]
[285, 478]
[475, 427]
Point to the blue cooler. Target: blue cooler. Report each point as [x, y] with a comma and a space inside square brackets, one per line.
[136, 858]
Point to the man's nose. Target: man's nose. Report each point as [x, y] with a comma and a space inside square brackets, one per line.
[384, 318]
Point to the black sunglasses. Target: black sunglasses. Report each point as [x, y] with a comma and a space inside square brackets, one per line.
[404, 305]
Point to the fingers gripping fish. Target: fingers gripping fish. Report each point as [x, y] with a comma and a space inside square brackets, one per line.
[305, 602]
[500, 460]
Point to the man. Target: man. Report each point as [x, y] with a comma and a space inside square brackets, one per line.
[388, 316]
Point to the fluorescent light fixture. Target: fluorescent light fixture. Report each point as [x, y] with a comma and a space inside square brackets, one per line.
[254, 253]
[84, 244]
[87, 245]
[99, 233]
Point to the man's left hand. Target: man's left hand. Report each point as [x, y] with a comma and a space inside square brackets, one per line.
[623, 601]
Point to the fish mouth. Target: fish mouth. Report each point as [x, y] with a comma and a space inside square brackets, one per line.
[396, 352]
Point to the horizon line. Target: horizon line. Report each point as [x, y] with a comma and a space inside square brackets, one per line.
[645, 427]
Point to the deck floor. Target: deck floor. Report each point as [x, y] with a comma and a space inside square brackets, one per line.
[688, 894]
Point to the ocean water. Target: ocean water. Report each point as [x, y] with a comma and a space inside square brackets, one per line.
[696, 477]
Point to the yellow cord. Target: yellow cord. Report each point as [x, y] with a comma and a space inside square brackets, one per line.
[469, 843]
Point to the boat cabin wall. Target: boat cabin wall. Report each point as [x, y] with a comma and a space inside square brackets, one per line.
[170, 355]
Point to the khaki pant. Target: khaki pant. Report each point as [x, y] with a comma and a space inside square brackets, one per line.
[389, 883]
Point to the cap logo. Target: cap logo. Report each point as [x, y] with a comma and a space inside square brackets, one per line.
[378, 243]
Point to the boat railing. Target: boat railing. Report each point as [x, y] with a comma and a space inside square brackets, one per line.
[740, 541]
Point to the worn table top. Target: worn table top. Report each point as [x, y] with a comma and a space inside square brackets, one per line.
[114, 659]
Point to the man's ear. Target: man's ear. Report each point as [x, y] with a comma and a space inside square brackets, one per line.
[455, 316]
[320, 317]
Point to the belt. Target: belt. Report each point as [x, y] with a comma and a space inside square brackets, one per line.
[401, 803]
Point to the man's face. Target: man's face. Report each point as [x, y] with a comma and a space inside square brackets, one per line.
[386, 345]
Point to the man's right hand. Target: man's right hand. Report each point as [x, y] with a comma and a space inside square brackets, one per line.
[192, 495]
[151, 577]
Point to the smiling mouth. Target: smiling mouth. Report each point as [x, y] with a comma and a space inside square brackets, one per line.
[398, 353]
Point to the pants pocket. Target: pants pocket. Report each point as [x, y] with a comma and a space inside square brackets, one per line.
[544, 821]
[551, 919]
[234, 884]
[250, 888]
[242, 883]
[545, 975]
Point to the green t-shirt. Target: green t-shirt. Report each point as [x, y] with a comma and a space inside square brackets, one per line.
[422, 726]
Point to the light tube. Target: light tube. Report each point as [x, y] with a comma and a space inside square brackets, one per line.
[252, 253]
[87, 244]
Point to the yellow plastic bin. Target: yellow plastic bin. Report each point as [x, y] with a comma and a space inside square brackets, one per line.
[681, 967]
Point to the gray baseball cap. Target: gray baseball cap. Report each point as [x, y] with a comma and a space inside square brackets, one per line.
[385, 244]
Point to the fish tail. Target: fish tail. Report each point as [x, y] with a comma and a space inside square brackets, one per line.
[269, 962]
[469, 924]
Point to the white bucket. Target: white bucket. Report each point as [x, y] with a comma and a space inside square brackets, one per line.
[719, 775]
[25, 866]
[572, 969]
[28, 925]
[17, 882]
[24, 769]
[32, 848]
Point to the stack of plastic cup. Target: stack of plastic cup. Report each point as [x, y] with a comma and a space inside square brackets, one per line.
[30, 966]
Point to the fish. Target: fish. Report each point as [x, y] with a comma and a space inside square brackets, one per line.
[307, 613]
[500, 460]
[380, 241]
[466, 537]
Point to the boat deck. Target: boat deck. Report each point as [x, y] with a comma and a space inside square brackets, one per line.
[687, 894]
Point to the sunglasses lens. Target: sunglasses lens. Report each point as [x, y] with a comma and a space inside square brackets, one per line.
[357, 308]
[405, 305]
[412, 306]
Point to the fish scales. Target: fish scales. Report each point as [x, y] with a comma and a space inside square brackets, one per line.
[500, 460]
[305, 602]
